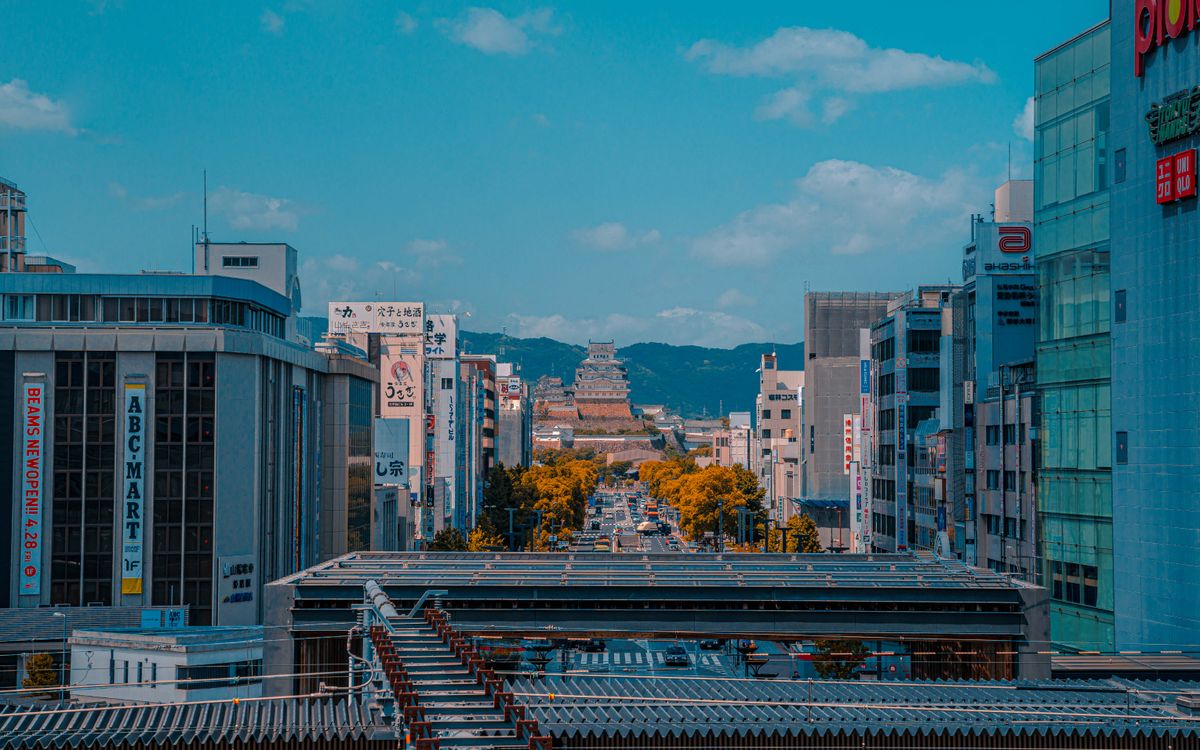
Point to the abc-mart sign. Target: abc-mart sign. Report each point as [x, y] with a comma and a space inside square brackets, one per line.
[1156, 21]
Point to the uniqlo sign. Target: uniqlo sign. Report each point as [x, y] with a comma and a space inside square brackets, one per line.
[1175, 177]
[1185, 174]
[1164, 179]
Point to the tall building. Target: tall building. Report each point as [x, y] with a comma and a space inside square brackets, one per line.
[1072, 168]
[833, 322]
[1151, 156]
[777, 435]
[905, 391]
[514, 417]
[12, 227]
[601, 385]
[732, 445]
[988, 381]
[170, 440]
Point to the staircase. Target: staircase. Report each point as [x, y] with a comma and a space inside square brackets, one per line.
[447, 696]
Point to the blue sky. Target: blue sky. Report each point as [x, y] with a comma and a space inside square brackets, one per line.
[672, 172]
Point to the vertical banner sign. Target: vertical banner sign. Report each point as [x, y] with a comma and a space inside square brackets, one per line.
[298, 522]
[858, 438]
[856, 517]
[29, 551]
[134, 488]
[901, 472]
[441, 337]
[847, 442]
[391, 451]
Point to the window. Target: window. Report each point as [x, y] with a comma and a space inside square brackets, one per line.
[19, 307]
[240, 261]
[1010, 434]
[1090, 585]
[139, 672]
[1072, 593]
[924, 379]
[992, 433]
[766, 414]
[153, 674]
[1122, 447]
[1119, 306]
[208, 676]
[1119, 165]
[785, 414]
[993, 479]
[924, 341]
[766, 434]
[1010, 481]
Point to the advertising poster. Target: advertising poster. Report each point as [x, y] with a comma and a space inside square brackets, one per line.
[134, 488]
[441, 337]
[32, 463]
[391, 451]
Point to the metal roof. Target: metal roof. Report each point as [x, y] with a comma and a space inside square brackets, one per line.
[616, 706]
[22, 624]
[250, 721]
[738, 570]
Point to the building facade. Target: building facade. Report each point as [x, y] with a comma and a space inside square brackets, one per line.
[1073, 165]
[777, 436]
[169, 438]
[905, 391]
[601, 385]
[1155, 573]
[833, 322]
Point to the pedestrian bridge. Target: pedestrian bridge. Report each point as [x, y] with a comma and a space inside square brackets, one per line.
[941, 606]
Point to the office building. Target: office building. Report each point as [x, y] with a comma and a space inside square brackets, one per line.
[170, 440]
[988, 406]
[731, 445]
[833, 322]
[777, 458]
[514, 417]
[905, 391]
[1072, 168]
[1151, 156]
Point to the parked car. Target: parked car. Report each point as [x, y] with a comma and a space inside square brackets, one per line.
[675, 656]
[593, 645]
[711, 644]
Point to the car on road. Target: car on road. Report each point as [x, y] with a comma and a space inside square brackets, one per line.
[711, 644]
[675, 656]
[595, 525]
[593, 645]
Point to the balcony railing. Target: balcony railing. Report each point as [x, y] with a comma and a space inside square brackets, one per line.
[12, 202]
[16, 244]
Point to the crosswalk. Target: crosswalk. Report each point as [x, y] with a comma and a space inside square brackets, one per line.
[637, 658]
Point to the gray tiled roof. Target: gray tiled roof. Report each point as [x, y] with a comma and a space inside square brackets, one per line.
[291, 719]
[619, 706]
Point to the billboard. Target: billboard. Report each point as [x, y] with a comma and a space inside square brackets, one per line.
[847, 442]
[396, 318]
[391, 451]
[235, 590]
[510, 387]
[32, 462]
[441, 337]
[402, 382]
[133, 488]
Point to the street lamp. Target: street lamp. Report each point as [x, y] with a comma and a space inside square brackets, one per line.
[720, 525]
[62, 662]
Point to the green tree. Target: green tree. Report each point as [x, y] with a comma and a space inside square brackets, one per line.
[482, 540]
[40, 672]
[837, 659]
[803, 535]
[448, 540]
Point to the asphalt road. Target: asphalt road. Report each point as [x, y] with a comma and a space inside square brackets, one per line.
[617, 522]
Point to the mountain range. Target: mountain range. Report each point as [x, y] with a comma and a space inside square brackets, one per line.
[693, 381]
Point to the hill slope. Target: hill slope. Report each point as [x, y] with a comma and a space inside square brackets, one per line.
[692, 380]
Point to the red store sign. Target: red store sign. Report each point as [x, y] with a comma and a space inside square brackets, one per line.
[1175, 177]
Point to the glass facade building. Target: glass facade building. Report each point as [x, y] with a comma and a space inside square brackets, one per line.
[1071, 246]
[1156, 321]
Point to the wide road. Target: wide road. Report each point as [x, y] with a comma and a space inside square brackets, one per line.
[618, 523]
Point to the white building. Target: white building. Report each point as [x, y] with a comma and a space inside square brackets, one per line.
[143, 665]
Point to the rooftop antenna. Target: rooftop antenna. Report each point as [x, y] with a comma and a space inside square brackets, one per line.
[205, 187]
[1010, 160]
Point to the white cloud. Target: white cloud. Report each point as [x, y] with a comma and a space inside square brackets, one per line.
[676, 325]
[431, 253]
[405, 23]
[250, 211]
[834, 63]
[145, 203]
[541, 120]
[339, 262]
[491, 32]
[613, 235]
[344, 277]
[848, 208]
[272, 22]
[1023, 123]
[23, 109]
[735, 298]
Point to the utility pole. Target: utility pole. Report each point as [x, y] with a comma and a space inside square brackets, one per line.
[720, 525]
[511, 511]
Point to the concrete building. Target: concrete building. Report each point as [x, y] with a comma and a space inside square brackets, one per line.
[514, 417]
[172, 443]
[777, 435]
[832, 383]
[732, 445]
[1150, 159]
[166, 665]
[1073, 164]
[12, 227]
[905, 391]
[988, 410]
